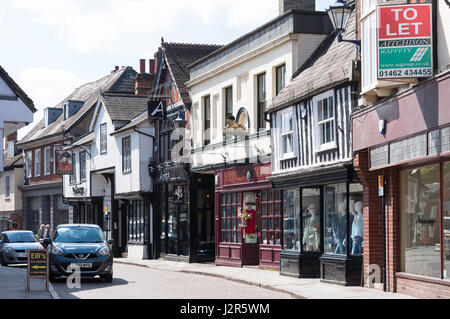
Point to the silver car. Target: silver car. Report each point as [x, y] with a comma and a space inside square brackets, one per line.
[14, 246]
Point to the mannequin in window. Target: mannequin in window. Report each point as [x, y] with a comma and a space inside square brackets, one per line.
[338, 224]
[311, 237]
[357, 229]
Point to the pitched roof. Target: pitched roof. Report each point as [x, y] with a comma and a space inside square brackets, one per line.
[9, 162]
[179, 56]
[133, 123]
[117, 81]
[17, 90]
[328, 65]
[122, 107]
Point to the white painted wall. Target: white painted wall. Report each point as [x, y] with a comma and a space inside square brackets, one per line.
[14, 202]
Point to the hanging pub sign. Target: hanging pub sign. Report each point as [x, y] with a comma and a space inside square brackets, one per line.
[155, 109]
[405, 46]
[64, 165]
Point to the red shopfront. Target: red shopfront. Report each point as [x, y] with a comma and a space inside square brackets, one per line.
[248, 217]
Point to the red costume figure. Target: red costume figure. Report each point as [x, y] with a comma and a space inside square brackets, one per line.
[251, 222]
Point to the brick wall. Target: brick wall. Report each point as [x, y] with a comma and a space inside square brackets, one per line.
[422, 287]
[373, 244]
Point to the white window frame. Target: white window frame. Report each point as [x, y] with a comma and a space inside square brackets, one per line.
[371, 56]
[318, 134]
[281, 114]
[37, 162]
[29, 164]
[47, 159]
[7, 186]
[126, 158]
[103, 139]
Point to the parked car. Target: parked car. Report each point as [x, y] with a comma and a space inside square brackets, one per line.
[81, 245]
[14, 246]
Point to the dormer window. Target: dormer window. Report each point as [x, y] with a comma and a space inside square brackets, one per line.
[71, 107]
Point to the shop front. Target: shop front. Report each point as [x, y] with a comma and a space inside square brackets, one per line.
[248, 215]
[185, 215]
[322, 226]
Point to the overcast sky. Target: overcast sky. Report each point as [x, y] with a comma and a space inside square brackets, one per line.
[53, 46]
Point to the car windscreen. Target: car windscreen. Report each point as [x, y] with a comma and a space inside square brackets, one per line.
[22, 237]
[78, 235]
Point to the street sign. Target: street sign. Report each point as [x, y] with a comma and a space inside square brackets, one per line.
[38, 265]
[405, 46]
[381, 186]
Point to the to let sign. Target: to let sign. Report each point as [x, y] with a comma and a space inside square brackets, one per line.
[405, 48]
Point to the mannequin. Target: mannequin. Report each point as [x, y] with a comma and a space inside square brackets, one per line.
[338, 224]
[311, 237]
[357, 229]
[250, 229]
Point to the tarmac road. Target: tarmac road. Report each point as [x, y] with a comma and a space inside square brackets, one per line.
[134, 282]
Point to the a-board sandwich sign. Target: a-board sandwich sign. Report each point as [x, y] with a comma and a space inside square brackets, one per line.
[405, 41]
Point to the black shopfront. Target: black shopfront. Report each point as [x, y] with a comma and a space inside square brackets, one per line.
[184, 215]
[322, 225]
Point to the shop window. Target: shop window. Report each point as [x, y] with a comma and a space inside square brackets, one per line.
[335, 208]
[311, 219]
[270, 217]
[137, 217]
[231, 205]
[291, 219]
[420, 222]
[356, 219]
[446, 217]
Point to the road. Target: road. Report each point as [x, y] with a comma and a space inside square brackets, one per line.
[133, 282]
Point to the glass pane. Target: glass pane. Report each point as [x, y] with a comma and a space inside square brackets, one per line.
[277, 223]
[264, 196]
[269, 224]
[264, 209]
[356, 219]
[446, 215]
[264, 237]
[335, 206]
[420, 194]
[233, 198]
[277, 239]
[224, 199]
[270, 238]
[239, 237]
[311, 219]
[291, 219]
[264, 223]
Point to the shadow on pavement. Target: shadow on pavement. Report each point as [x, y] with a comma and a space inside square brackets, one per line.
[64, 292]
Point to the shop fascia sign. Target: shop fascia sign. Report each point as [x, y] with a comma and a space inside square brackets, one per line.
[405, 45]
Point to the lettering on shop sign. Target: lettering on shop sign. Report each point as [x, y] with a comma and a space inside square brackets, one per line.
[78, 190]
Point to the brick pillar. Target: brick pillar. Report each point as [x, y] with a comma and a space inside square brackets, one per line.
[372, 213]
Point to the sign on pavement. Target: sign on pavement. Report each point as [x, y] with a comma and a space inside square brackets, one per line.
[38, 266]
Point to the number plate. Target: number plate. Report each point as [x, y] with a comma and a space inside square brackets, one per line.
[22, 255]
[82, 265]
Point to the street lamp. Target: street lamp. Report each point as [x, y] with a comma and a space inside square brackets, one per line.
[180, 122]
[339, 14]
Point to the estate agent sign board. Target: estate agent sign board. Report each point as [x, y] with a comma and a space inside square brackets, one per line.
[405, 47]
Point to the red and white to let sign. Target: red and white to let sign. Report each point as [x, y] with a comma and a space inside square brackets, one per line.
[404, 21]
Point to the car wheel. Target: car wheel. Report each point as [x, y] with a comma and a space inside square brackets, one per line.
[4, 263]
[108, 277]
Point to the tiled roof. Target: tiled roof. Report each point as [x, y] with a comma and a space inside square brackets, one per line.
[122, 107]
[8, 162]
[179, 57]
[328, 65]
[134, 122]
[16, 89]
[88, 93]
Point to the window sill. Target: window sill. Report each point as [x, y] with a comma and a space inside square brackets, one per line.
[126, 173]
[327, 148]
[290, 156]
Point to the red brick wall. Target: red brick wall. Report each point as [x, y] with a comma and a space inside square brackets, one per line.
[373, 244]
[422, 287]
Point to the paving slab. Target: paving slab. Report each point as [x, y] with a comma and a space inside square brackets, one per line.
[299, 288]
[13, 285]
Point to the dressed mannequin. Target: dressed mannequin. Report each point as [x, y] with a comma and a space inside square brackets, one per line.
[311, 237]
[338, 224]
[357, 229]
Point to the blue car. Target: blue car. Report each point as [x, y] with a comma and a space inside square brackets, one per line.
[80, 246]
[14, 246]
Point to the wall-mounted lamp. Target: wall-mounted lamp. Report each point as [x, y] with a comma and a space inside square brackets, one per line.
[339, 14]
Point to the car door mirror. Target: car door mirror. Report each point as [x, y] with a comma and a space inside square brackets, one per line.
[111, 241]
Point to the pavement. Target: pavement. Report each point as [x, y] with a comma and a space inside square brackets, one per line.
[268, 279]
[13, 285]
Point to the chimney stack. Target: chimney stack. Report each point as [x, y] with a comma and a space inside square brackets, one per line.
[144, 81]
[305, 5]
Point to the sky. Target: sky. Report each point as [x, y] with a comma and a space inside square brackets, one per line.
[54, 46]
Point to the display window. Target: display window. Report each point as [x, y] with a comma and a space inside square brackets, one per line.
[356, 219]
[270, 217]
[291, 219]
[335, 213]
[311, 219]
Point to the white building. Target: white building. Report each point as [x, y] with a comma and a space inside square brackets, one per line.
[111, 172]
[16, 109]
